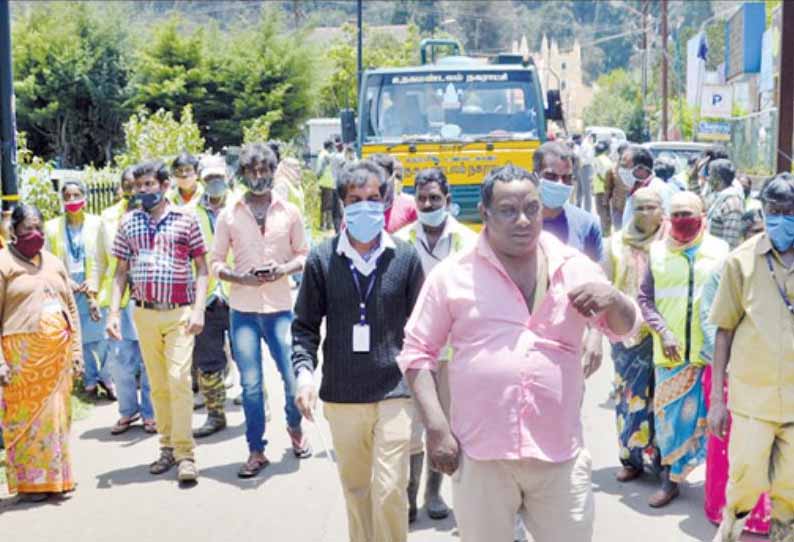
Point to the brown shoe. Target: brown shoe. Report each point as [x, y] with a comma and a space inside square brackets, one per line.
[627, 474]
[164, 462]
[665, 495]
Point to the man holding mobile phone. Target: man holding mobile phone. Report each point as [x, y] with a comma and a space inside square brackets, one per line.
[267, 239]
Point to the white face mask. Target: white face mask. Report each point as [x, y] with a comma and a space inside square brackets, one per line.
[627, 177]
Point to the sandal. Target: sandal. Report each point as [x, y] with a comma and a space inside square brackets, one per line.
[123, 425]
[252, 467]
[164, 462]
[150, 426]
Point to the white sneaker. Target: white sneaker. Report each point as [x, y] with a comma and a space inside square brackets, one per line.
[187, 471]
[731, 528]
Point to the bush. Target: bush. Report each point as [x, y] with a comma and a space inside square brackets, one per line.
[159, 136]
[35, 188]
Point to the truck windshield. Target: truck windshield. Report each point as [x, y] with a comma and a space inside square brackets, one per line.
[464, 105]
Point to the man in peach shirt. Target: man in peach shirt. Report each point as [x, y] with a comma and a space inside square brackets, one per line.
[514, 309]
[266, 236]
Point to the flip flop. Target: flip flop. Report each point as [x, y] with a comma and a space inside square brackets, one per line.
[249, 469]
[150, 426]
[123, 425]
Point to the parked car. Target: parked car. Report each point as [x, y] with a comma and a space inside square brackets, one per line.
[680, 150]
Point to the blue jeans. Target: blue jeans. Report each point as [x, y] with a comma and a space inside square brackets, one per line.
[248, 329]
[126, 364]
[95, 361]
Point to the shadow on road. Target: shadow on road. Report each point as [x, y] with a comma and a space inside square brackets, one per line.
[134, 435]
[227, 474]
[635, 495]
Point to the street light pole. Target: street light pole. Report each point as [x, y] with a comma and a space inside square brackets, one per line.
[664, 70]
[360, 47]
[8, 144]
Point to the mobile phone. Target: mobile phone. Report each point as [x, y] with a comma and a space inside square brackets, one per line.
[263, 271]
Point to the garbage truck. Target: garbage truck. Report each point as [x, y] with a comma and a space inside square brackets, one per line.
[462, 114]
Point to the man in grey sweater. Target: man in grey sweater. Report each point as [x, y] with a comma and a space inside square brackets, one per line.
[365, 285]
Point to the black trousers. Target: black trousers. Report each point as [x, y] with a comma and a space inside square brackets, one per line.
[208, 353]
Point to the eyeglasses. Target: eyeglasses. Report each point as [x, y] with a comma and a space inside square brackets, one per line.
[553, 177]
[511, 214]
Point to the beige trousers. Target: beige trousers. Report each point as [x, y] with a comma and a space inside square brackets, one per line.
[761, 458]
[371, 441]
[167, 352]
[555, 500]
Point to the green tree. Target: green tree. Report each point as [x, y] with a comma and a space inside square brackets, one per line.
[380, 50]
[159, 135]
[618, 102]
[70, 65]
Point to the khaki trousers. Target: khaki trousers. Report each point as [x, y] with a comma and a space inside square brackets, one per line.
[167, 352]
[555, 500]
[761, 458]
[371, 442]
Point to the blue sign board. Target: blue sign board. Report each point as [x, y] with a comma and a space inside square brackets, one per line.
[744, 40]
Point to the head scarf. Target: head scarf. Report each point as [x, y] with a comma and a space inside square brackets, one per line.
[635, 247]
[687, 201]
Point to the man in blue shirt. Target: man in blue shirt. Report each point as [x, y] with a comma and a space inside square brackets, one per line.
[553, 163]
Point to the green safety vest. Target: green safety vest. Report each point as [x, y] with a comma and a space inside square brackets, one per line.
[678, 282]
[55, 235]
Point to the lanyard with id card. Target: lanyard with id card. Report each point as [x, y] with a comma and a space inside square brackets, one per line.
[361, 330]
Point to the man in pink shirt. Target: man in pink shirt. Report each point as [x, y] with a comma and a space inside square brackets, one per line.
[514, 309]
[265, 234]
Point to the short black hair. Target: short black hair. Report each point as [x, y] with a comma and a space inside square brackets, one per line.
[23, 211]
[359, 174]
[254, 153]
[155, 168]
[550, 148]
[432, 175]
[386, 161]
[722, 169]
[664, 167]
[601, 147]
[716, 152]
[275, 146]
[640, 156]
[504, 174]
[328, 144]
[779, 189]
[185, 159]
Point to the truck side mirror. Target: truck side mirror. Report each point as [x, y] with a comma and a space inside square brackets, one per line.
[554, 109]
[347, 118]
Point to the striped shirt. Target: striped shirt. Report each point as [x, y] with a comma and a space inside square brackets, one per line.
[160, 254]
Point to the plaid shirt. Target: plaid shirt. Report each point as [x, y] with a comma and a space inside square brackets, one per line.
[725, 216]
[160, 255]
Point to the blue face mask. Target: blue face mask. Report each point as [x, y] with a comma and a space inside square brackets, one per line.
[365, 220]
[433, 218]
[554, 195]
[780, 229]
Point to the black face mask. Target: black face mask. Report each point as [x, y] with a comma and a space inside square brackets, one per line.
[259, 185]
[148, 201]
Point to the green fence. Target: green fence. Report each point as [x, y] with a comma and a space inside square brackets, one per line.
[753, 145]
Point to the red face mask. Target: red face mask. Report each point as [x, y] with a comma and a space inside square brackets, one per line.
[30, 244]
[685, 228]
[74, 206]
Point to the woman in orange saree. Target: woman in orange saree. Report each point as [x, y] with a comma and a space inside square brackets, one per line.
[40, 329]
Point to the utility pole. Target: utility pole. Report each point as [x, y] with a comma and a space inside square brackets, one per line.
[785, 128]
[360, 59]
[664, 70]
[645, 6]
[8, 143]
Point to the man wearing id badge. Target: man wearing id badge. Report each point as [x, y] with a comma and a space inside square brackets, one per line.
[364, 284]
[754, 349]
[513, 307]
[157, 246]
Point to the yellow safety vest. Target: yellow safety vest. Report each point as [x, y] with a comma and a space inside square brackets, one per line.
[678, 282]
[109, 224]
[175, 198]
[209, 237]
[55, 234]
[603, 164]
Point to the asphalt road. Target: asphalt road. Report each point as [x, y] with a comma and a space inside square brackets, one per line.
[118, 500]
